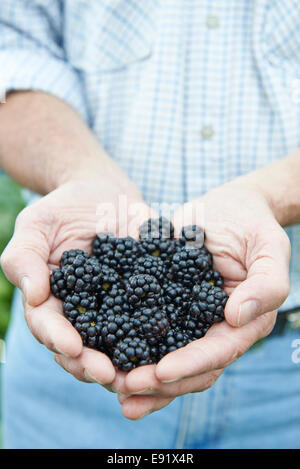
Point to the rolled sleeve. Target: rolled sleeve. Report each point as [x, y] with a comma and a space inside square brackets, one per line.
[31, 51]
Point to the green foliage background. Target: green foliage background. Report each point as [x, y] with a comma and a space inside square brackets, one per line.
[11, 203]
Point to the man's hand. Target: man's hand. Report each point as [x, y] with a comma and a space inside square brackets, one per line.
[51, 150]
[65, 219]
[252, 252]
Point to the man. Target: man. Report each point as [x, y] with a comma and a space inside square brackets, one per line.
[178, 102]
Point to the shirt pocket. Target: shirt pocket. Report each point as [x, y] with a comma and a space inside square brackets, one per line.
[108, 35]
[282, 35]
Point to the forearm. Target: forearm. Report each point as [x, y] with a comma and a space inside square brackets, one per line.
[44, 142]
[280, 183]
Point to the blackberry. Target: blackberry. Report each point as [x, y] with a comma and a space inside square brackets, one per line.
[150, 323]
[157, 228]
[80, 272]
[175, 315]
[206, 256]
[107, 278]
[189, 265]
[77, 304]
[117, 253]
[208, 303]
[214, 278]
[195, 327]
[68, 257]
[130, 353]
[58, 284]
[154, 353]
[115, 328]
[150, 265]
[176, 294]
[116, 300]
[174, 339]
[192, 236]
[143, 289]
[88, 326]
[102, 244]
[161, 248]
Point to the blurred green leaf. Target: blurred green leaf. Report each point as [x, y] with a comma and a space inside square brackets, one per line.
[11, 203]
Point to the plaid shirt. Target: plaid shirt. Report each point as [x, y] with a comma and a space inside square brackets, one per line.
[184, 94]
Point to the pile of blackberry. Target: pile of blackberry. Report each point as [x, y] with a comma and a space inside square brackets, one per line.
[136, 301]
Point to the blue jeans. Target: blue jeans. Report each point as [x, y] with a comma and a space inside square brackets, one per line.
[254, 404]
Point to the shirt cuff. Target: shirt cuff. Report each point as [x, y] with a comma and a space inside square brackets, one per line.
[34, 69]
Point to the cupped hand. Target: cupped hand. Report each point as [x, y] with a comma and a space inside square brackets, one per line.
[252, 252]
[68, 218]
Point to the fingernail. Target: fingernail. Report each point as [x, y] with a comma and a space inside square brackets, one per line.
[122, 398]
[109, 387]
[91, 378]
[56, 350]
[146, 391]
[248, 311]
[171, 381]
[24, 288]
[23, 301]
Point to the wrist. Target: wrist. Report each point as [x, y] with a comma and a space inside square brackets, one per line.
[278, 184]
[103, 172]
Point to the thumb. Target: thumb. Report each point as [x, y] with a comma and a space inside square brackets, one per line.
[24, 261]
[266, 286]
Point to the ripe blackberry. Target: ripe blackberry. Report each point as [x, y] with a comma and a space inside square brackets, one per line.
[130, 353]
[176, 294]
[116, 300]
[192, 236]
[68, 257]
[150, 323]
[107, 278]
[116, 327]
[157, 228]
[154, 353]
[208, 303]
[189, 265]
[78, 303]
[81, 272]
[118, 253]
[89, 328]
[174, 339]
[102, 244]
[58, 284]
[214, 278]
[206, 256]
[150, 265]
[162, 248]
[175, 315]
[143, 289]
[195, 327]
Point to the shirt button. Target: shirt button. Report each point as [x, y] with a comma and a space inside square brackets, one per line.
[207, 132]
[212, 22]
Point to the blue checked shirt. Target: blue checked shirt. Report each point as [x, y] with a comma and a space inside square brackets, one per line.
[184, 94]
